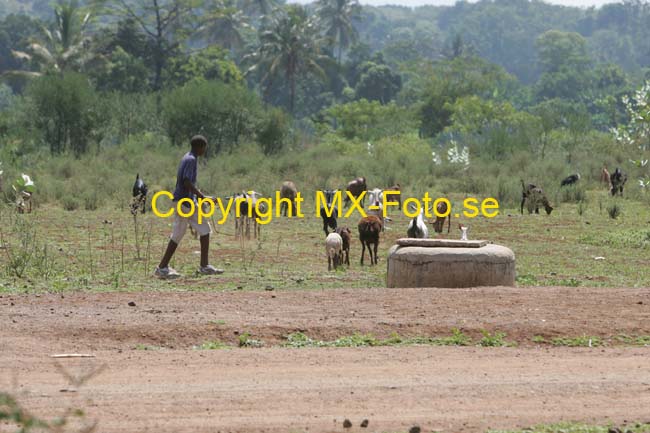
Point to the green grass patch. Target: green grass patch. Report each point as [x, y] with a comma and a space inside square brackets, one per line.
[299, 339]
[635, 340]
[44, 252]
[580, 341]
[245, 340]
[212, 345]
[621, 238]
[572, 427]
[497, 339]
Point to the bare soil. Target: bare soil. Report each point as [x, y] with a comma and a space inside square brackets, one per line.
[275, 389]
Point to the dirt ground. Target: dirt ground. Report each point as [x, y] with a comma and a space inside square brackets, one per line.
[275, 389]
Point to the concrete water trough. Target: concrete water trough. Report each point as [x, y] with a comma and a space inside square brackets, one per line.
[449, 263]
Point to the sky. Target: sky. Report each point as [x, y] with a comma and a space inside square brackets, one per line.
[580, 3]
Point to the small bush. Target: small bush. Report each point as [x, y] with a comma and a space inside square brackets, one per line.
[91, 201]
[614, 211]
[70, 203]
[492, 340]
[245, 340]
[573, 194]
[272, 131]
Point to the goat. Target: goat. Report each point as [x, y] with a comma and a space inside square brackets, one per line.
[395, 197]
[246, 202]
[334, 249]
[356, 187]
[375, 195]
[570, 180]
[417, 228]
[140, 191]
[346, 235]
[376, 208]
[535, 197]
[288, 191]
[439, 223]
[24, 202]
[605, 177]
[618, 179]
[369, 229]
[329, 221]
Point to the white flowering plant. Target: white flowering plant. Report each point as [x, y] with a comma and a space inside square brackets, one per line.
[637, 131]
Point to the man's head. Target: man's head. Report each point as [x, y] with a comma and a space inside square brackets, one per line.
[199, 144]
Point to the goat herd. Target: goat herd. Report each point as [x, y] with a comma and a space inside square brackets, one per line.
[536, 197]
[337, 243]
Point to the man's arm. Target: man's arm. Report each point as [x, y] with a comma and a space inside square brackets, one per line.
[194, 190]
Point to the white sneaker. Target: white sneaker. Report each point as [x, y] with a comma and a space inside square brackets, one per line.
[166, 273]
[210, 270]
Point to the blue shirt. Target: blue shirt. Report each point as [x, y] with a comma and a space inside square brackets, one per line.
[187, 169]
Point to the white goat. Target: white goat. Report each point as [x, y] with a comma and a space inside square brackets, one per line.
[334, 249]
[376, 195]
[417, 228]
[246, 201]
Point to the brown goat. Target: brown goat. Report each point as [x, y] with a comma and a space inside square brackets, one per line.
[346, 235]
[535, 197]
[394, 197]
[605, 177]
[288, 191]
[369, 229]
[439, 223]
[356, 187]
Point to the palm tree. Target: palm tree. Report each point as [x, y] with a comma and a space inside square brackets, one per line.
[223, 25]
[64, 48]
[289, 45]
[336, 19]
[262, 7]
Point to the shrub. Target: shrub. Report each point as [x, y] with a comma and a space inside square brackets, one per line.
[370, 120]
[272, 131]
[223, 113]
[614, 210]
[70, 203]
[64, 111]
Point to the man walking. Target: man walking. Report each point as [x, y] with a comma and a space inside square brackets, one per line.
[186, 188]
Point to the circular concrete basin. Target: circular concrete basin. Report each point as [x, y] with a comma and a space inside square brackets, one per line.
[449, 263]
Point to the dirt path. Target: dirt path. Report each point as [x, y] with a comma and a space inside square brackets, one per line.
[178, 389]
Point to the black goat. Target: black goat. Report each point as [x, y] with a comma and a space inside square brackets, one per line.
[329, 221]
[570, 180]
[140, 191]
[618, 179]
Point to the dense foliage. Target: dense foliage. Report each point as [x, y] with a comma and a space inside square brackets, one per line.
[498, 90]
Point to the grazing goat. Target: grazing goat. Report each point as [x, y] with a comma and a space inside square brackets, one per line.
[535, 197]
[140, 191]
[605, 177]
[246, 203]
[417, 228]
[329, 221]
[346, 235]
[288, 191]
[439, 223]
[570, 180]
[395, 197]
[334, 248]
[356, 187]
[369, 229]
[618, 179]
